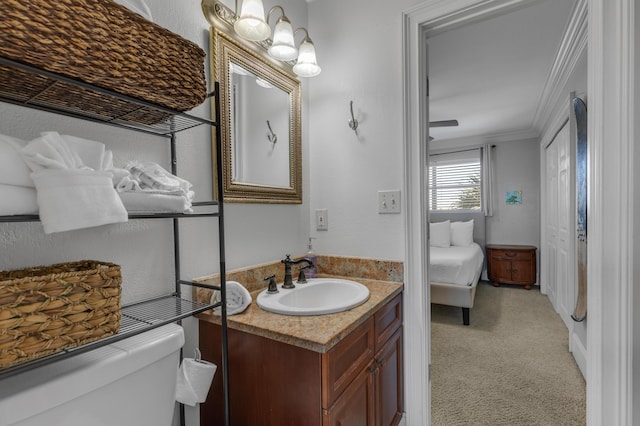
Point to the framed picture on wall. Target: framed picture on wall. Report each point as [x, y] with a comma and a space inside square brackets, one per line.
[514, 197]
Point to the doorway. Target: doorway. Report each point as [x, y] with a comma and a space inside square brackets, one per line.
[610, 89]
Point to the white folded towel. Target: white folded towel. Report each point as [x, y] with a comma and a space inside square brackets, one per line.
[238, 298]
[174, 193]
[17, 200]
[51, 151]
[73, 199]
[91, 153]
[142, 202]
[151, 177]
[13, 169]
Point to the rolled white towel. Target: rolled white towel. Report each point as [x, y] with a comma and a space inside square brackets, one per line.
[238, 298]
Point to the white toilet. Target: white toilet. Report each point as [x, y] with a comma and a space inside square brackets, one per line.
[130, 382]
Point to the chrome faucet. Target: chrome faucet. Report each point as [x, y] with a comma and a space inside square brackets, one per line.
[288, 280]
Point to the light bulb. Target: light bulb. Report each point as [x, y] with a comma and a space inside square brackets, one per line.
[307, 65]
[283, 46]
[251, 24]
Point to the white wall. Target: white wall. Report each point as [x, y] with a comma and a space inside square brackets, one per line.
[359, 49]
[516, 167]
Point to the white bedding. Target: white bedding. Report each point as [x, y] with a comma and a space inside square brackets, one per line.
[455, 264]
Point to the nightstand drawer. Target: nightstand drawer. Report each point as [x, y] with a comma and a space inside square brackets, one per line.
[513, 254]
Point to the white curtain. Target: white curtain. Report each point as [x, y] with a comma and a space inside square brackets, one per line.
[487, 179]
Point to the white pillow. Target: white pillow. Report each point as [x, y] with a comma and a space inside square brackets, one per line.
[462, 233]
[440, 234]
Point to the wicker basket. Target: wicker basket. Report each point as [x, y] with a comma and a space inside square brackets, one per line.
[46, 309]
[102, 43]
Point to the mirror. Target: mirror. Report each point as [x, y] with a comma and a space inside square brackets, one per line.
[260, 116]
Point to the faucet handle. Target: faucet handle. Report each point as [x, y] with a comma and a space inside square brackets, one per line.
[287, 259]
[273, 288]
[302, 279]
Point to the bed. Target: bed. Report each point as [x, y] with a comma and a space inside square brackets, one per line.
[456, 263]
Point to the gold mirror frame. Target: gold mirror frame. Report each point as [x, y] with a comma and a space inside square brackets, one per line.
[226, 48]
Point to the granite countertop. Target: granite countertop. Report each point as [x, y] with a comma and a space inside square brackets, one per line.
[318, 333]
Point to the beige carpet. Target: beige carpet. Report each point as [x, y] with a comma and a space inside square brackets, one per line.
[511, 366]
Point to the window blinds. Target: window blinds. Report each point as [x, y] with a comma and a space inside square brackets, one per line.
[455, 181]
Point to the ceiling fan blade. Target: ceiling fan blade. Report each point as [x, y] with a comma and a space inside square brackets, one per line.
[443, 123]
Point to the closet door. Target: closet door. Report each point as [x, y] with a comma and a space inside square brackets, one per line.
[551, 215]
[565, 284]
[559, 219]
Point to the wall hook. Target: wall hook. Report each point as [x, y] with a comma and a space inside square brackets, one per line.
[273, 138]
[353, 123]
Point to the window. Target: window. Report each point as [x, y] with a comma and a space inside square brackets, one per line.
[455, 181]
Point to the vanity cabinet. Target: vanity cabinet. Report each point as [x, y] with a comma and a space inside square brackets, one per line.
[359, 381]
[511, 264]
[362, 375]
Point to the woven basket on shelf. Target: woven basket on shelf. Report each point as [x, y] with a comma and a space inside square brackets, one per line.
[46, 309]
[102, 43]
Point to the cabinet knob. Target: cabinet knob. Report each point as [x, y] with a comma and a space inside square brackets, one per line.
[373, 369]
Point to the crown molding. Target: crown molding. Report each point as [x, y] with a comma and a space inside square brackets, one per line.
[508, 136]
[572, 46]
[453, 14]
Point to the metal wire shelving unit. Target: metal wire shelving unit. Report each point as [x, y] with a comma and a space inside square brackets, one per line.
[146, 314]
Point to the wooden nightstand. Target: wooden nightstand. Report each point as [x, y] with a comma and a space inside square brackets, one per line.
[511, 264]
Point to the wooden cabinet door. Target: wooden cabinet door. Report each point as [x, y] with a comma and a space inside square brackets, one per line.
[389, 383]
[270, 382]
[500, 270]
[521, 272]
[355, 406]
[342, 363]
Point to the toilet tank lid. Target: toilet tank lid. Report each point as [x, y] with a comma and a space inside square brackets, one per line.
[42, 388]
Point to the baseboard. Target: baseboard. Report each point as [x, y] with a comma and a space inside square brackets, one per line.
[579, 354]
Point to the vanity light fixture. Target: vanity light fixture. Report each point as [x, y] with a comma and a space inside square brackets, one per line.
[283, 46]
[252, 25]
[307, 65]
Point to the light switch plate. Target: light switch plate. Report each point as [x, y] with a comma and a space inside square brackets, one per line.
[322, 220]
[389, 201]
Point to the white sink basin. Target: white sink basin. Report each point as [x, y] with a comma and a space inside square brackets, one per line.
[319, 296]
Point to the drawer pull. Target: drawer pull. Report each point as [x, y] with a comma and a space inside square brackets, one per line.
[510, 254]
